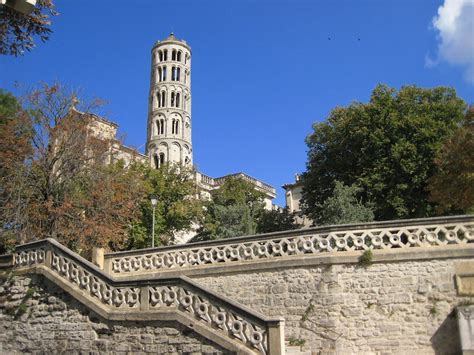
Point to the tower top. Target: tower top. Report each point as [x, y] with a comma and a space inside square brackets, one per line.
[172, 39]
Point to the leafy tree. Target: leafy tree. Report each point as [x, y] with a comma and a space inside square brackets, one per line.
[277, 220]
[58, 185]
[344, 207]
[233, 211]
[17, 30]
[386, 147]
[178, 208]
[452, 187]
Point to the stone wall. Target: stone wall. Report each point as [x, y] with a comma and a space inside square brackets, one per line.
[388, 307]
[37, 317]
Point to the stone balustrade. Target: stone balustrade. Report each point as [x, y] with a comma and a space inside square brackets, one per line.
[401, 234]
[153, 297]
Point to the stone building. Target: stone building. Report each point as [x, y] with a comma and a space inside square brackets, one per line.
[169, 124]
[293, 195]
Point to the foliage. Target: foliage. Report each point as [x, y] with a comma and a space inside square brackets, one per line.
[292, 341]
[386, 147]
[17, 30]
[55, 182]
[452, 187]
[365, 259]
[276, 220]
[178, 208]
[343, 207]
[233, 211]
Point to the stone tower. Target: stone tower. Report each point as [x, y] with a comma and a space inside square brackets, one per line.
[169, 108]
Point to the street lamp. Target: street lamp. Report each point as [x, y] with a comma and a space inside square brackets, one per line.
[154, 201]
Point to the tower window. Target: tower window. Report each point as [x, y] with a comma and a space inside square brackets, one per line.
[177, 99]
[163, 99]
[173, 74]
[172, 99]
[160, 73]
[178, 74]
[158, 99]
[164, 74]
[173, 54]
[179, 56]
[156, 161]
[160, 55]
[165, 55]
[175, 127]
[162, 158]
[160, 125]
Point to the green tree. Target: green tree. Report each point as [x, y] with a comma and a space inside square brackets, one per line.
[178, 208]
[386, 147]
[344, 207]
[233, 211]
[277, 220]
[452, 187]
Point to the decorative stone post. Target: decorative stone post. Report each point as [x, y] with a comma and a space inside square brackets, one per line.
[98, 257]
[466, 329]
[276, 337]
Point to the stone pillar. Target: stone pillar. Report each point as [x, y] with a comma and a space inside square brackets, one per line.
[466, 329]
[98, 257]
[276, 337]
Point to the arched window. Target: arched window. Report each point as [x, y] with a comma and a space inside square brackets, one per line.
[162, 126]
[156, 161]
[164, 74]
[160, 73]
[178, 74]
[185, 76]
[179, 56]
[185, 101]
[160, 55]
[173, 54]
[177, 99]
[173, 74]
[158, 99]
[165, 55]
[175, 128]
[163, 99]
[172, 98]
[162, 158]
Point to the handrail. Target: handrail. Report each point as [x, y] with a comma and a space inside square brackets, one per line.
[411, 233]
[179, 294]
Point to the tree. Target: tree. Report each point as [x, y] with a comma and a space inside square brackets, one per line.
[343, 206]
[17, 30]
[277, 220]
[178, 208]
[452, 187]
[60, 186]
[233, 211]
[386, 147]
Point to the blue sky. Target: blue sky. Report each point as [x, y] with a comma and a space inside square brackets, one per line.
[262, 71]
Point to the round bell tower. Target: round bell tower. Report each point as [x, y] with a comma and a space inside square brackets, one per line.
[169, 107]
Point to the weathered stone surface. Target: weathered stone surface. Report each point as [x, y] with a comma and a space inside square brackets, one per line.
[394, 307]
[53, 322]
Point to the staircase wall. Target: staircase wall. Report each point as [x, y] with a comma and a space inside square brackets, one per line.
[36, 316]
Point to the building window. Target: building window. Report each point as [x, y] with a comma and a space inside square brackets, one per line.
[156, 161]
[173, 54]
[179, 56]
[165, 55]
[163, 74]
[162, 158]
[163, 99]
[160, 125]
[160, 56]
[177, 99]
[172, 98]
[178, 74]
[160, 73]
[173, 74]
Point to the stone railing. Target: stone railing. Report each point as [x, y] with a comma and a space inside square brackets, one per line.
[401, 234]
[144, 299]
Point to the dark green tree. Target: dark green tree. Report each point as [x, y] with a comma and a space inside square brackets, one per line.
[233, 211]
[386, 147]
[277, 220]
[178, 209]
[344, 207]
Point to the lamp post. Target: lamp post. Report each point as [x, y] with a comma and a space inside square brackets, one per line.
[154, 201]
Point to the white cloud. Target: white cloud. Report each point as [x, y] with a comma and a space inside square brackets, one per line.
[455, 24]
